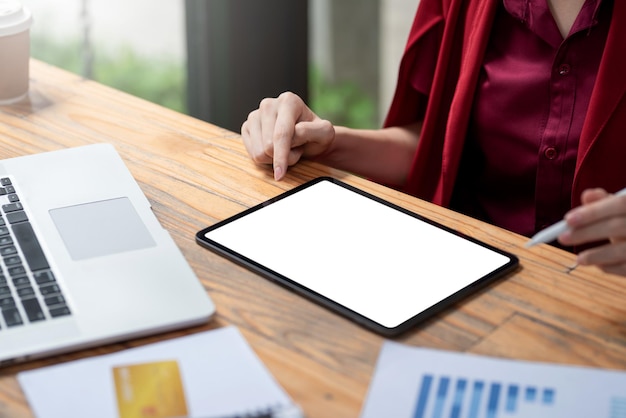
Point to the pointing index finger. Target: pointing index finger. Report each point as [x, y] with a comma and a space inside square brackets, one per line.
[283, 138]
[289, 113]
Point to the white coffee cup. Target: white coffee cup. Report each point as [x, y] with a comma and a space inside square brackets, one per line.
[15, 23]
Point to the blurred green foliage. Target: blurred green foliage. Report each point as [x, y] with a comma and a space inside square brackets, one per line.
[163, 81]
[158, 80]
[341, 103]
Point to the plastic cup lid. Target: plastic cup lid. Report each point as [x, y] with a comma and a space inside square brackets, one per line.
[14, 18]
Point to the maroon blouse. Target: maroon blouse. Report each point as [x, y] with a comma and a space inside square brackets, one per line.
[518, 162]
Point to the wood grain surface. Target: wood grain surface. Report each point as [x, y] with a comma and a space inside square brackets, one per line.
[196, 174]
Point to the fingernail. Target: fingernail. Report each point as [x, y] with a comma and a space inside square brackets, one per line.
[573, 216]
[278, 173]
[572, 267]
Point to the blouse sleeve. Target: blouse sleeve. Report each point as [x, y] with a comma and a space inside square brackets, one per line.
[417, 66]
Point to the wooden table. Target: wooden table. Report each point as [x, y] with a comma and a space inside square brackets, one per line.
[195, 174]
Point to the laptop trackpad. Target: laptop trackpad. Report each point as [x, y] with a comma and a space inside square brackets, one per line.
[101, 228]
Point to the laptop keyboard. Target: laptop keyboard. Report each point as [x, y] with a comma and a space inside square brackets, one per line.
[29, 292]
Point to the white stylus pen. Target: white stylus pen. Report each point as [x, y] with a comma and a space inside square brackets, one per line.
[552, 232]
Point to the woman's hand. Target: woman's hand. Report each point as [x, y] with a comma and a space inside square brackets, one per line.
[284, 129]
[602, 216]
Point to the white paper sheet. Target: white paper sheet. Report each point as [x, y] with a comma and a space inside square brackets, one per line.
[425, 383]
[221, 375]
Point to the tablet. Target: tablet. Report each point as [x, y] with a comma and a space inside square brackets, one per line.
[377, 263]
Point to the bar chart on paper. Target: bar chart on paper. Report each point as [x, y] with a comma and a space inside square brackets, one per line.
[442, 396]
[414, 382]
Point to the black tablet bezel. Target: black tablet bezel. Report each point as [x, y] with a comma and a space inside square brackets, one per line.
[316, 297]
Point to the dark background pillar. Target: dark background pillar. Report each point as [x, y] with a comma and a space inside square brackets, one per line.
[240, 51]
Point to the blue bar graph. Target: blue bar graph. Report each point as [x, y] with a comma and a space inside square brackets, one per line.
[442, 393]
[476, 397]
[458, 398]
[531, 394]
[420, 409]
[449, 397]
[494, 397]
[511, 398]
[548, 396]
[618, 408]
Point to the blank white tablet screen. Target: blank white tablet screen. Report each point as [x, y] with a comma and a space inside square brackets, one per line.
[371, 258]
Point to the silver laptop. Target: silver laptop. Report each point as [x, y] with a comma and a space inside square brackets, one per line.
[84, 260]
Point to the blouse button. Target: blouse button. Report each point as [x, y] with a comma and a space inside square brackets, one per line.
[550, 153]
[564, 69]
